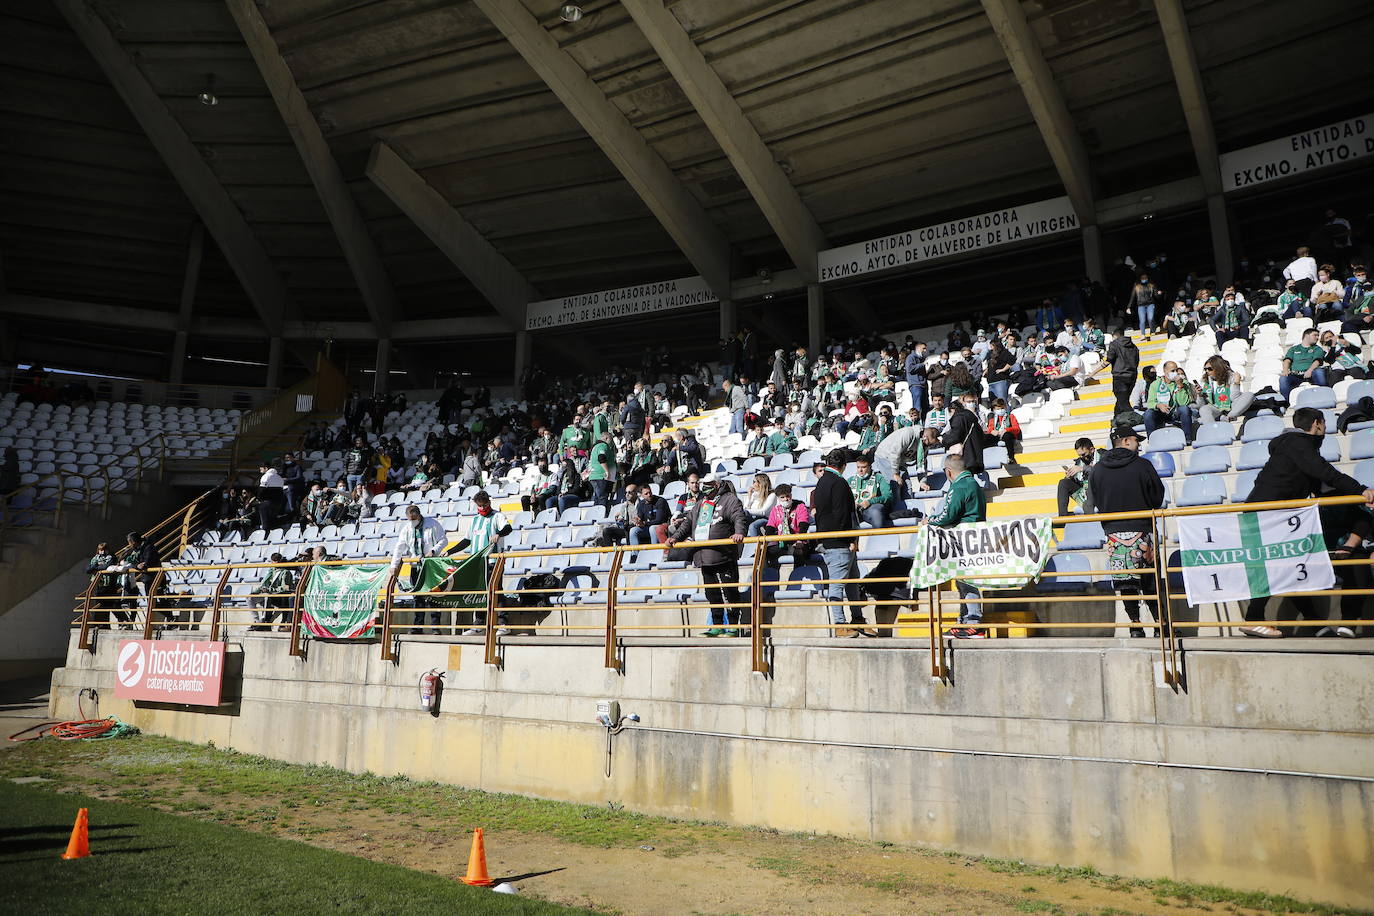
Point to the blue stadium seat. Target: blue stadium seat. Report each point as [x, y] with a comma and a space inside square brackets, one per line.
[1364, 472]
[1245, 482]
[1163, 461]
[1167, 439]
[799, 587]
[1218, 433]
[1317, 397]
[1361, 389]
[1331, 447]
[1261, 429]
[683, 586]
[1210, 459]
[1362, 444]
[1202, 491]
[994, 457]
[1066, 563]
[1082, 536]
[1253, 455]
[878, 547]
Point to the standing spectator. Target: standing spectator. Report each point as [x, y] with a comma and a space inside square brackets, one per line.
[1302, 270]
[737, 402]
[1304, 362]
[1000, 364]
[832, 508]
[9, 474]
[964, 503]
[1123, 358]
[894, 453]
[1122, 481]
[418, 537]
[1143, 296]
[871, 494]
[359, 463]
[1339, 236]
[1170, 401]
[717, 516]
[601, 469]
[916, 376]
[104, 585]
[1296, 470]
[963, 434]
[293, 482]
[140, 559]
[275, 592]
[482, 533]
[1074, 487]
[270, 487]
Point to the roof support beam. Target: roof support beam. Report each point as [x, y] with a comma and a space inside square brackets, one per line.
[217, 210]
[495, 277]
[782, 206]
[684, 219]
[339, 205]
[1188, 78]
[195, 248]
[1047, 106]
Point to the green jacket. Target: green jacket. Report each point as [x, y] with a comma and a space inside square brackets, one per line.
[1180, 396]
[965, 503]
[575, 438]
[873, 488]
[602, 455]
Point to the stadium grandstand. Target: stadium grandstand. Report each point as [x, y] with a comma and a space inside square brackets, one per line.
[996, 373]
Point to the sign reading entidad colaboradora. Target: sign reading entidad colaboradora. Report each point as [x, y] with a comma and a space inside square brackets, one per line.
[626, 302]
[1286, 157]
[914, 247]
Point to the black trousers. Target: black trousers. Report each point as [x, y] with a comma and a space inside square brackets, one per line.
[1121, 390]
[722, 587]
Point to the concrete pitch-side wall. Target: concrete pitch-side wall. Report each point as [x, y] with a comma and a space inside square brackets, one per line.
[1070, 755]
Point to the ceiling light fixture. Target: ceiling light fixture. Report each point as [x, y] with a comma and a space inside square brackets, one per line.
[207, 95]
[570, 12]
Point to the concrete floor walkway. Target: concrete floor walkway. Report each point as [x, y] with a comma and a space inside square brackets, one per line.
[23, 703]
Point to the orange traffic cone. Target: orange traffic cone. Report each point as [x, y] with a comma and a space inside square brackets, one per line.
[477, 862]
[79, 846]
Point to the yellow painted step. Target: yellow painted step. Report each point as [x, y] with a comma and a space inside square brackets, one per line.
[1087, 426]
[1022, 508]
[1045, 456]
[1039, 479]
[1095, 394]
[1091, 410]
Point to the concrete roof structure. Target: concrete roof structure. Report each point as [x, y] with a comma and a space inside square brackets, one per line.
[645, 141]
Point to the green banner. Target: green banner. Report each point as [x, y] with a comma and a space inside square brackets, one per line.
[340, 602]
[442, 574]
[1015, 548]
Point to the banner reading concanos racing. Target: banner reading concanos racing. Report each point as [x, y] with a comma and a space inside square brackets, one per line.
[341, 601]
[1017, 548]
[441, 574]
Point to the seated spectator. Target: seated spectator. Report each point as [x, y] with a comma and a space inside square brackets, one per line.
[1231, 320]
[1002, 427]
[104, 585]
[1359, 314]
[1266, 312]
[1293, 300]
[1170, 402]
[616, 529]
[758, 503]
[276, 591]
[1074, 487]
[315, 504]
[570, 487]
[649, 518]
[1219, 393]
[246, 515]
[336, 508]
[872, 495]
[1354, 287]
[1304, 362]
[359, 505]
[1342, 358]
[1140, 393]
[540, 487]
[1067, 370]
[788, 516]
[1094, 341]
[1327, 294]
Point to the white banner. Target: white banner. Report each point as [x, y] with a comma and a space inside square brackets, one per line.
[1313, 149]
[959, 236]
[1244, 555]
[619, 303]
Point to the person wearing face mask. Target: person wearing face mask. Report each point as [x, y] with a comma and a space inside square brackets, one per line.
[1142, 302]
[1122, 481]
[1359, 314]
[1068, 370]
[1074, 487]
[1327, 294]
[787, 516]
[916, 376]
[481, 534]
[1342, 358]
[717, 516]
[963, 435]
[1002, 427]
[417, 538]
[1231, 320]
[1181, 321]
[1297, 470]
[1068, 337]
[1170, 402]
[936, 374]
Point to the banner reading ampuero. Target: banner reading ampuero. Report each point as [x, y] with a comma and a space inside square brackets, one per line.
[1015, 547]
[1243, 555]
[340, 602]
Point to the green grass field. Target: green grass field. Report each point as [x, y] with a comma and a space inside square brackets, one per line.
[145, 861]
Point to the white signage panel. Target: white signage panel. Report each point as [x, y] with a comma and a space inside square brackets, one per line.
[1319, 148]
[629, 301]
[1009, 226]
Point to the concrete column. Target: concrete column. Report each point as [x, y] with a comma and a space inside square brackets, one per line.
[815, 317]
[382, 376]
[729, 319]
[1092, 254]
[195, 247]
[179, 342]
[274, 348]
[524, 351]
[1220, 222]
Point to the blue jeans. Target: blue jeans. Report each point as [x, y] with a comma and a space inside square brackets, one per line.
[842, 563]
[999, 389]
[876, 515]
[1147, 316]
[756, 526]
[600, 492]
[918, 395]
[353, 481]
[1182, 416]
[1292, 380]
[642, 534]
[969, 614]
[737, 422]
[567, 501]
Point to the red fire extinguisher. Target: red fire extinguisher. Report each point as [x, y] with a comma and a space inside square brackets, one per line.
[429, 685]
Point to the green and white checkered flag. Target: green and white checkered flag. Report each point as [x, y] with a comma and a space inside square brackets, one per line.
[1253, 554]
[1018, 547]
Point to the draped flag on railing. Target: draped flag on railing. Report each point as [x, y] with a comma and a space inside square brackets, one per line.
[1243, 555]
[1017, 548]
[442, 574]
[340, 602]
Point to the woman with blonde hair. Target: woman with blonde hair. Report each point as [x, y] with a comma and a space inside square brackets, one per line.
[758, 502]
[1219, 394]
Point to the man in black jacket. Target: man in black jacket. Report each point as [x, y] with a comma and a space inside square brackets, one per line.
[1296, 470]
[1124, 359]
[832, 508]
[718, 516]
[1122, 481]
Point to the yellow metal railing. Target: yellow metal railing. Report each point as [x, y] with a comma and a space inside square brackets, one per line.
[929, 610]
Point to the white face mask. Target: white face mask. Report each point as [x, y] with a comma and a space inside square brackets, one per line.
[1172, 375]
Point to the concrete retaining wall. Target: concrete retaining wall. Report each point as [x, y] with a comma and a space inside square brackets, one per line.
[1260, 776]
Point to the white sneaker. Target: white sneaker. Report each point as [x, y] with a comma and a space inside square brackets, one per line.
[1326, 631]
[503, 631]
[473, 631]
[1345, 632]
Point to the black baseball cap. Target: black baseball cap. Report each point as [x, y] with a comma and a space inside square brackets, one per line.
[1124, 432]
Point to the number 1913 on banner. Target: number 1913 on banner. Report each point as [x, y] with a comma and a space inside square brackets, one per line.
[1244, 555]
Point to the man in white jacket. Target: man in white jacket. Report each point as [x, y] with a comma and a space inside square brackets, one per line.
[419, 537]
